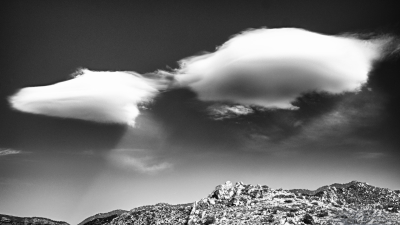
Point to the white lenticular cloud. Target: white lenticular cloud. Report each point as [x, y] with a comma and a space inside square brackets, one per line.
[265, 67]
[271, 67]
[106, 97]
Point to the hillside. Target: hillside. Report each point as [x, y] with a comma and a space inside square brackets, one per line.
[102, 218]
[337, 204]
[350, 203]
[15, 220]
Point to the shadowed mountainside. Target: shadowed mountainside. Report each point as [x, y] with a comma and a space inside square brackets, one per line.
[102, 218]
[15, 220]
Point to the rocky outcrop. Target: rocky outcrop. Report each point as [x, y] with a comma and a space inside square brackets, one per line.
[14, 220]
[351, 203]
[160, 213]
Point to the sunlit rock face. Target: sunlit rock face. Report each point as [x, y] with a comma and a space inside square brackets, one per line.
[350, 203]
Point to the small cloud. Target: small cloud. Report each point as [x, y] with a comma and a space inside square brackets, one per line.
[221, 111]
[5, 152]
[138, 160]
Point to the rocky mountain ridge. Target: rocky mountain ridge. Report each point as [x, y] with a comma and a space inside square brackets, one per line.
[337, 204]
[350, 203]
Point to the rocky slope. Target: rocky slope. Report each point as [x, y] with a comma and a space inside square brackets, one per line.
[14, 220]
[351, 203]
[102, 218]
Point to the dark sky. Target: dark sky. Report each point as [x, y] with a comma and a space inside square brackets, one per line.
[61, 168]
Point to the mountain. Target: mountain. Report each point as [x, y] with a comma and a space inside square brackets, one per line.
[14, 220]
[337, 204]
[351, 203]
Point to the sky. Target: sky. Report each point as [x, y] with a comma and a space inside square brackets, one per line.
[213, 94]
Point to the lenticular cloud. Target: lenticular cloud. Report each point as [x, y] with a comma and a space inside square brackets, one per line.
[265, 67]
[271, 67]
[107, 97]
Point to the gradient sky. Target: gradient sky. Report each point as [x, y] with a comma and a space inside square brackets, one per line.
[68, 170]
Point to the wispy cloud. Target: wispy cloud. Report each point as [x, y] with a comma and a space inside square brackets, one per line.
[370, 155]
[5, 152]
[349, 124]
[138, 160]
[340, 125]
